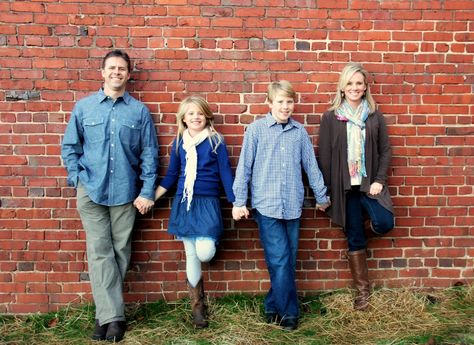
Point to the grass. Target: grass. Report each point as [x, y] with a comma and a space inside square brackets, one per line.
[396, 317]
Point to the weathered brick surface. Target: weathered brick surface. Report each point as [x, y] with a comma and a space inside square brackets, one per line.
[419, 53]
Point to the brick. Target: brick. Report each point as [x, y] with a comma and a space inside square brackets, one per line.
[420, 75]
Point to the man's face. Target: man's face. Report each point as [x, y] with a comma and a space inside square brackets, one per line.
[282, 107]
[115, 74]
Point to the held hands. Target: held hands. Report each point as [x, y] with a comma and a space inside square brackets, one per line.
[239, 212]
[323, 207]
[143, 205]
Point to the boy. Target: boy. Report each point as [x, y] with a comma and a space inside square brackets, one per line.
[273, 152]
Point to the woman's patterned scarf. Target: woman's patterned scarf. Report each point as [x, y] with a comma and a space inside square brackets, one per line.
[355, 119]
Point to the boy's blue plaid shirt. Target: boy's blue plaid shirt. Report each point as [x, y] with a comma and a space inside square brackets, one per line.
[271, 161]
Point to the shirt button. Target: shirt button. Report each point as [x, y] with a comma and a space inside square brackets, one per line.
[112, 132]
[111, 158]
[112, 145]
[111, 171]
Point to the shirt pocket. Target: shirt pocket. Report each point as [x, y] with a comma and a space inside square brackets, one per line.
[94, 129]
[130, 132]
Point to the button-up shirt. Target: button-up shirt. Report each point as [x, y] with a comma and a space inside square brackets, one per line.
[271, 160]
[111, 148]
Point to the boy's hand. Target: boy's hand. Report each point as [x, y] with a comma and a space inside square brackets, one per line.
[239, 212]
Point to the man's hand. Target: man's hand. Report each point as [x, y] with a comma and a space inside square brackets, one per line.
[239, 212]
[143, 205]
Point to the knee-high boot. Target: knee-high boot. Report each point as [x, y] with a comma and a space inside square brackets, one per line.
[360, 276]
[199, 308]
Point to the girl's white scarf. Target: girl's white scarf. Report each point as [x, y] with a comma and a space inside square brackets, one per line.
[190, 171]
[355, 135]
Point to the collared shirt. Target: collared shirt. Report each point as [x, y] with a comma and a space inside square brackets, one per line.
[271, 160]
[111, 148]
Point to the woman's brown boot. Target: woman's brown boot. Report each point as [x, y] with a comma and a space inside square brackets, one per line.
[199, 308]
[360, 276]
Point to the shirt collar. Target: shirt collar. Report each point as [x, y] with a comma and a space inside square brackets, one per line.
[101, 96]
[271, 121]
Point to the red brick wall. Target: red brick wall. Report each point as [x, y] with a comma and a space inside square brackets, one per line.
[420, 55]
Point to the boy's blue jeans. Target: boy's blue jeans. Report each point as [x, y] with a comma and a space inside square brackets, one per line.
[356, 204]
[279, 239]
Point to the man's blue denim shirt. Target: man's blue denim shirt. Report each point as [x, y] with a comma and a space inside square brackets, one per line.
[112, 149]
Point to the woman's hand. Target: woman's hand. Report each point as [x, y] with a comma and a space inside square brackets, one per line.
[375, 188]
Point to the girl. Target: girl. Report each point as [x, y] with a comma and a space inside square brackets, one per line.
[199, 164]
[354, 156]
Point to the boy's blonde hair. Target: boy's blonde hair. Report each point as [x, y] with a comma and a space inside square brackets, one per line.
[347, 72]
[282, 86]
[214, 137]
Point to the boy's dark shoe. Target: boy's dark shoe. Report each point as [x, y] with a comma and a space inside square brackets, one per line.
[99, 331]
[289, 324]
[116, 331]
[271, 317]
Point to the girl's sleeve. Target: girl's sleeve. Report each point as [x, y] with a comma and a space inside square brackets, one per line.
[172, 173]
[225, 171]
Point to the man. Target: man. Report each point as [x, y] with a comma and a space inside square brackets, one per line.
[110, 151]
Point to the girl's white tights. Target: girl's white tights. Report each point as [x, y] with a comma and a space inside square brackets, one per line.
[201, 249]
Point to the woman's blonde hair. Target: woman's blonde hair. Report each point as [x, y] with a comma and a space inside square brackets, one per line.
[347, 72]
[281, 86]
[214, 137]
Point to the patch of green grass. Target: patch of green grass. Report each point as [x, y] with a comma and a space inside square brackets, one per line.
[396, 317]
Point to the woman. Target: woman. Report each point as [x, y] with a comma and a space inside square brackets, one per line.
[354, 155]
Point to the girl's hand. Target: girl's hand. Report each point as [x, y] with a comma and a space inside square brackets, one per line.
[160, 191]
[375, 188]
[239, 212]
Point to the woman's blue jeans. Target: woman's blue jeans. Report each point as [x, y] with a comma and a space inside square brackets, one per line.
[357, 203]
[279, 239]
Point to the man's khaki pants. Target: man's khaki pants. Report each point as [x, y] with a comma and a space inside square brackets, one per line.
[108, 238]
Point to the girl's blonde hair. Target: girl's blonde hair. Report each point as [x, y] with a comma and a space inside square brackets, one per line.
[281, 86]
[348, 71]
[214, 137]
